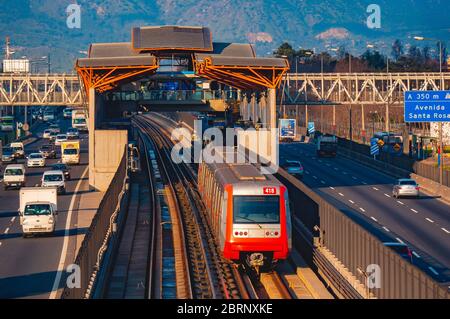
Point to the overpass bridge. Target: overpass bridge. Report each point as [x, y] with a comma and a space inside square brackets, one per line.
[40, 90]
[357, 88]
[295, 89]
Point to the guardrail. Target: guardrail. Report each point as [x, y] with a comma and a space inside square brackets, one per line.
[327, 228]
[89, 256]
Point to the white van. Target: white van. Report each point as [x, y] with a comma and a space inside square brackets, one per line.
[38, 210]
[14, 176]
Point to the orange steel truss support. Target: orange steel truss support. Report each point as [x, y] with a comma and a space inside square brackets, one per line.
[106, 78]
[242, 77]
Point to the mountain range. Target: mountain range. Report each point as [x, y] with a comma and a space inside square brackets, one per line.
[38, 28]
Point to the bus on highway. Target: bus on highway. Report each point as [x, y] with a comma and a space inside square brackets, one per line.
[7, 123]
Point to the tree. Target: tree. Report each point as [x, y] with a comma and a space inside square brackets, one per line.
[397, 49]
[285, 50]
[374, 60]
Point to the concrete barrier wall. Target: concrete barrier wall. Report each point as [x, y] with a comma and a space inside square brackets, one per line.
[109, 147]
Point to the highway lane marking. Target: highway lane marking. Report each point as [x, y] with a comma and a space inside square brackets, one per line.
[7, 230]
[387, 195]
[341, 194]
[331, 187]
[336, 169]
[375, 188]
[351, 201]
[62, 259]
[322, 182]
[374, 219]
[414, 211]
[448, 232]
[354, 178]
[364, 183]
[315, 177]
[386, 229]
[433, 271]
[362, 209]
[430, 220]
[13, 219]
[345, 173]
[329, 165]
[399, 240]
[401, 203]
[307, 172]
[416, 254]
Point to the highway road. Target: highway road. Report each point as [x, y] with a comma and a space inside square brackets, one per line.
[29, 267]
[424, 224]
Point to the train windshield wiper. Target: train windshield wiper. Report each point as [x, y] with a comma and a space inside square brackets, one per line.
[251, 220]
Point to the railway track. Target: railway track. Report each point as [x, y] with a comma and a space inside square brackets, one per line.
[168, 278]
[210, 276]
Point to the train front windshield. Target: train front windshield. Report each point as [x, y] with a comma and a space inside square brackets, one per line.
[256, 209]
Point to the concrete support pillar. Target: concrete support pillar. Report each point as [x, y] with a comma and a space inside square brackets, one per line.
[263, 109]
[387, 120]
[306, 116]
[334, 119]
[106, 148]
[272, 108]
[254, 115]
[246, 108]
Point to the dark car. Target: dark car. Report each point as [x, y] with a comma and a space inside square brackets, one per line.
[8, 155]
[48, 151]
[61, 167]
[52, 136]
[402, 249]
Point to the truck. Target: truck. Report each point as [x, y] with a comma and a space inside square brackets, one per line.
[49, 116]
[38, 210]
[14, 176]
[79, 120]
[70, 152]
[7, 123]
[327, 145]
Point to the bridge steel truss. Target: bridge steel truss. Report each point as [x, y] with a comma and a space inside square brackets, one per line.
[40, 90]
[295, 89]
[357, 88]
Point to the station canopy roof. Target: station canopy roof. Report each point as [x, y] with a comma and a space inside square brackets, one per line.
[111, 64]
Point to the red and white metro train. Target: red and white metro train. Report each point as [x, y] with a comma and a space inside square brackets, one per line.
[248, 212]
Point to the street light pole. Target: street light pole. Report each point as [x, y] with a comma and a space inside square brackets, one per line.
[440, 124]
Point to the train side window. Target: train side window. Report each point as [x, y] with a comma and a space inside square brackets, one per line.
[219, 212]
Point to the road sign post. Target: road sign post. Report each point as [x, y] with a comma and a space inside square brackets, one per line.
[311, 128]
[374, 148]
[429, 106]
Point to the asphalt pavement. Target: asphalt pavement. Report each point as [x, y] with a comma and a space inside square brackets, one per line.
[29, 267]
[424, 223]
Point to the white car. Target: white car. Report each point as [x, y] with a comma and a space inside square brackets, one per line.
[14, 176]
[73, 133]
[54, 179]
[18, 148]
[35, 160]
[406, 188]
[60, 138]
[47, 133]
